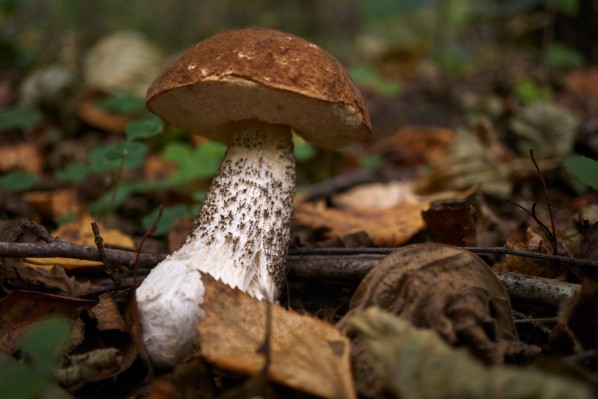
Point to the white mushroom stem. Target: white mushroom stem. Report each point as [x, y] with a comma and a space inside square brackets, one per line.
[240, 237]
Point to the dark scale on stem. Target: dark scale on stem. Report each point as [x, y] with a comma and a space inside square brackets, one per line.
[249, 205]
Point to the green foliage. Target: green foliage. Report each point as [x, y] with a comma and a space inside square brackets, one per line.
[120, 192]
[371, 78]
[18, 180]
[123, 104]
[143, 129]
[304, 151]
[194, 162]
[529, 91]
[73, 172]
[19, 117]
[169, 215]
[41, 348]
[371, 162]
[561, 57]
[108, 158]
[584, 169]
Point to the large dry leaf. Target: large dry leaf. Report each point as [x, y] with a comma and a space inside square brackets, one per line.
[79, 232]
[307, 354]
[387, 227]
[414, 363]
[444, 288]
[19, 310]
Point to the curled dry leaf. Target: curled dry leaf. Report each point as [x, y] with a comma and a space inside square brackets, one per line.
[467, 164]
[414, 363]
[386, 227]
[307, 354]
[446, 289]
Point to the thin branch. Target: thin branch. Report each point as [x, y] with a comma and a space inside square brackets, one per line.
[112, 272]
[149, 232]
[554, 237]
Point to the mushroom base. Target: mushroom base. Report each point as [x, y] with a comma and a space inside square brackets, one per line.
[241, 237]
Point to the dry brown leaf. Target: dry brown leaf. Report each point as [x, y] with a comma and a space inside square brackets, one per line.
[54, 279]
[56, 203]
[23, 156]
[416, 144]
[19, 310]
[308, 354]
[583, 80]
[452, 224]
[444, 288]
[388, 227]
[107, 314]
[79, 232]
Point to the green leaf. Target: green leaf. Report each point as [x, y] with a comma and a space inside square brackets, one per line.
[18, 181]
[584, 169]
[124, 191]
[529, 91]
[304, 151]
[123, 104]
[19, 117]
[560, 56]
[194, 163]
[169, 215]
[73, 172]
[370, 77]
[106, 158]
[44, 341]
[371, 162]
[143, 129]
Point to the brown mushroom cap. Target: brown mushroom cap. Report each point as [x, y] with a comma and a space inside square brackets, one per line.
[261, 74]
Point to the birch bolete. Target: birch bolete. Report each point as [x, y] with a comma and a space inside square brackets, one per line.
[250, 89]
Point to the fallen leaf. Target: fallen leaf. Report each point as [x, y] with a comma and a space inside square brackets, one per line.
[308, 354]
[56, 203]
[577, 322]
[452, 224]
[376, 196]
[22, 156]
[449, 290]
[107, 314]
[53, 279]
[414, 145]
[19, 310]
[387, 227]
[79, 232]
[413, 363]
[584, 81]
[467, 164]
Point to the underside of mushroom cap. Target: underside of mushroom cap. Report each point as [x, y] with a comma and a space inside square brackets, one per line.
[260, 74]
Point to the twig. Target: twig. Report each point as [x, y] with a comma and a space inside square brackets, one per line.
[346, 265]
[40, 231]
[554, 237]
[534, 216]
[112, 272]
[149, 232]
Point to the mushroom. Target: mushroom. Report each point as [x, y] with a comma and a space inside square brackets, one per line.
[250, 89]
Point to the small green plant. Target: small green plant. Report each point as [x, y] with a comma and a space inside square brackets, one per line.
[561, 57]
[371, 78]
[19, 117]
[18, 180]
[32, 376]
[123, 104]
[194, 162]
[584, 169]
[529, 91]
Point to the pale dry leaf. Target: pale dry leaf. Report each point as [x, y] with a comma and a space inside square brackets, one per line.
[386, 227]
[79, 232]
[376, 196]
[56, 203]
[23, 156]
[414, 363]
[308, 354]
